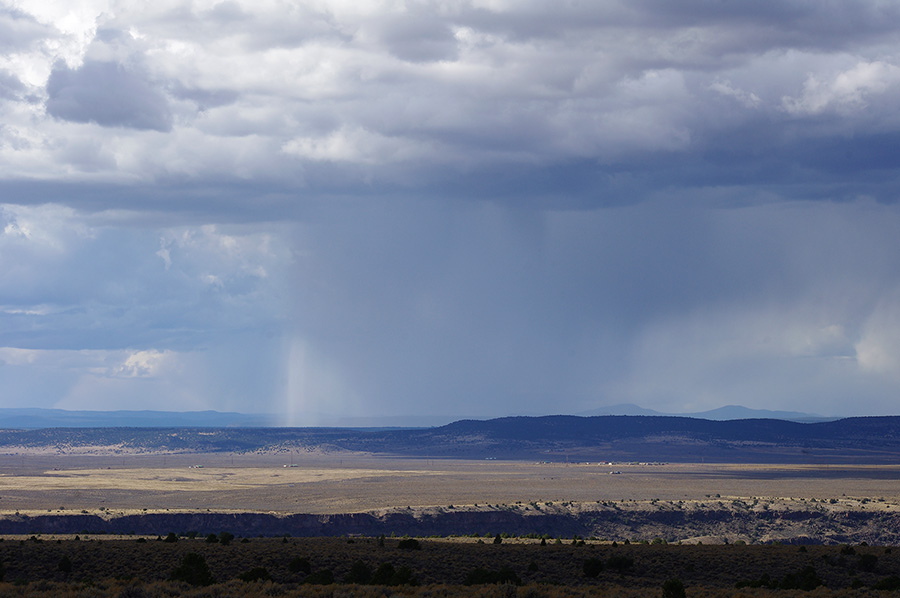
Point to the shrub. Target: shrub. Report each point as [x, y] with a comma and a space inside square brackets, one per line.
[212, 539]
[65, 564]
[193, 570]
[133, 591]
[359, 573]
[888, 583]
[592, 567]
[409, 544]
[255, 574]
[763, 582]
[867, 562]
[171, 537]
[673, 588]
[404, 576]
[386, 575]
[322, 577]
[620, 563]
[225, 538]
[498, 539]
[299, 565]
[805, 579]
[383, 574]
[480, 576]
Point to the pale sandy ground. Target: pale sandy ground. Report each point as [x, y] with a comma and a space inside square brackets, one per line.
[355, 483]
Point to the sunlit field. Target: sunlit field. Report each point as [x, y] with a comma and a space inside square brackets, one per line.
[548, 564]
[356, 483]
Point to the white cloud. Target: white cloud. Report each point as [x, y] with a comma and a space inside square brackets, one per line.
[45, 232]
[163, 254]
[143, 364]
[848, 90]
[100, 362]
[107, 281]
[358, 146]
[747, 99]
[219, 257]
[16, 356]
[36, 310]
[222, 378]
[206, 90]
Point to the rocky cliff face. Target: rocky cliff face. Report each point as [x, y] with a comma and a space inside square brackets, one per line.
[796, 526]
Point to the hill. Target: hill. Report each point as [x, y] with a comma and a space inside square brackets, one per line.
[725, 412]
[551, 438]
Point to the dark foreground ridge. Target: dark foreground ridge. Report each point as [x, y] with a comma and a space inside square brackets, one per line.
[722, 525]
[552, 438]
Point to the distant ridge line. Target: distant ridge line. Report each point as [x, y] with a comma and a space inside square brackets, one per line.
[873, 439]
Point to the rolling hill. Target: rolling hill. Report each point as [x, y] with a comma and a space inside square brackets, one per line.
[550, 438]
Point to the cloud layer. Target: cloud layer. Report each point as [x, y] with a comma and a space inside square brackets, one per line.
[457, 208]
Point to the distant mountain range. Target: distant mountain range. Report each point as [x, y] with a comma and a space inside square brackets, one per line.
[727, 412]
[549, 438]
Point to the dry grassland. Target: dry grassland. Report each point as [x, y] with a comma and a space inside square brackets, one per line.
[322, 484]
[345, 483]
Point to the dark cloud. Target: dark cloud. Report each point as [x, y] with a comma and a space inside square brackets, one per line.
[479, 311]
[751, 27]
[204, 98]
[415, 35]
[580, 104]
[490, 208]
[109, 94]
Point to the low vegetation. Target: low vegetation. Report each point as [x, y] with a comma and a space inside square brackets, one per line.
[249, 567]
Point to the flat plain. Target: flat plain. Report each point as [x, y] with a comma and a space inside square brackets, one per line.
[349, 483]
[647, 507]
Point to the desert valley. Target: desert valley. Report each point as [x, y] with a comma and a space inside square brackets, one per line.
[324, 499]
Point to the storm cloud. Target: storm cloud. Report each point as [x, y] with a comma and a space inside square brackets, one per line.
[106, 93]
[450, 209]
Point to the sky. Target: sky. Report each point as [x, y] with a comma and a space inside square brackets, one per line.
[402, 210]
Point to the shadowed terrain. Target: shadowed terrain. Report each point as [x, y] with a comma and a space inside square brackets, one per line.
[425, 567]
[553, 438]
